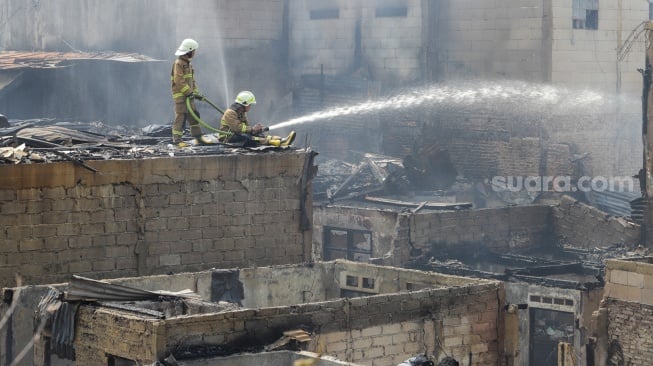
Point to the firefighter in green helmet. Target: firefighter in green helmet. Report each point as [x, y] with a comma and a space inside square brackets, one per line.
[234, 121]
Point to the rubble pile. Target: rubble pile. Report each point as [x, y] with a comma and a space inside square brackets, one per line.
[49, 140]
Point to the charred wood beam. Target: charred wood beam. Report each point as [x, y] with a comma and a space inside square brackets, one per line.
[77, 161]
[346, 182]
[377, 171]
[359, 193]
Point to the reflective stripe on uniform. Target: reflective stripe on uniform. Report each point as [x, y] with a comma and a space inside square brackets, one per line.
[181, 93]
[178, 133]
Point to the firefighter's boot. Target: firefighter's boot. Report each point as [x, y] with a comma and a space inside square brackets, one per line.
[289, 139]
[201, 140]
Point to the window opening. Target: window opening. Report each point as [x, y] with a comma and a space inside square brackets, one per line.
[355, 245]
[585, 14]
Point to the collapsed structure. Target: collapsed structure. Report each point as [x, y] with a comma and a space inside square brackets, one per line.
[356, 312]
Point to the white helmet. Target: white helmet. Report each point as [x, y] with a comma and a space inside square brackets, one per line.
[245, 98]
[187, 45]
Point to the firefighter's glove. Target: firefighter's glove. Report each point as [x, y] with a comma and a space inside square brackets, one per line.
[257, 129]
[197, 96]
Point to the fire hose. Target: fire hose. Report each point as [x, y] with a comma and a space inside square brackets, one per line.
[192, 112]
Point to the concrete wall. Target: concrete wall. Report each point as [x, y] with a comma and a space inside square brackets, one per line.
[357, 40]
[534, 40]
[285, 286]
[629, 302]
[386, 329]
[384, 226]
[242, 47]
[490, 40]
[151, 216]
[397, 237]
[500, 230]
[263, 287]
[130, 26]
[588, 58]
[584, 302]
[581, 226]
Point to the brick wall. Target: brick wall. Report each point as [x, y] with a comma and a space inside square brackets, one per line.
[399, 236]
[524, 143]
[629, 300]
[462, 321]
[136, 217]
[581, 226]
[500, 229]
[629, 330]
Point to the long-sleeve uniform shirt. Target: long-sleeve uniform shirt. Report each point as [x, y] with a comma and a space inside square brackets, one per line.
[235, 122]
[182, 80]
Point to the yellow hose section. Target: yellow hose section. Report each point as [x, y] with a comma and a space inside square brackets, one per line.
[204, 124]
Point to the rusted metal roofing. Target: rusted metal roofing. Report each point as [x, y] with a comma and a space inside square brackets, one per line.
[13, 60]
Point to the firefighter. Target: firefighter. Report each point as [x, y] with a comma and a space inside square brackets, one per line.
[184, 86]
[234, 121]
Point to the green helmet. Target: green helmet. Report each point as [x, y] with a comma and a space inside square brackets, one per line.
[245, 98]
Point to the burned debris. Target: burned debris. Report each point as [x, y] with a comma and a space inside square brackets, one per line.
[383, 180]
[52, 140]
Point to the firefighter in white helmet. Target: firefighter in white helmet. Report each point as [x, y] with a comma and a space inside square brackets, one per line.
[235, 122]
[183, 85]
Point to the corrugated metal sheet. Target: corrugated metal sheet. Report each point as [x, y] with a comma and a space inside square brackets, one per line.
[86, 289]
[618, 203]
[14, 60]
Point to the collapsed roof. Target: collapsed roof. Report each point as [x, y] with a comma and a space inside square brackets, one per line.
[49, 140]
[13, 63]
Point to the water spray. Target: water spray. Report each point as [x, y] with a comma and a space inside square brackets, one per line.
[519, 95]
